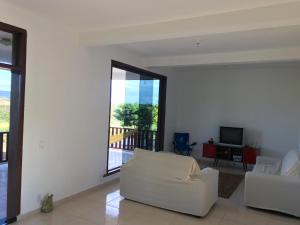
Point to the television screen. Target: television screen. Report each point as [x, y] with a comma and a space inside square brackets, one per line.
[231, 135]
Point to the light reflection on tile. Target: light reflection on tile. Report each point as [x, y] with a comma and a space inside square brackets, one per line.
[112, 196]
[112, 212]
[115, 202]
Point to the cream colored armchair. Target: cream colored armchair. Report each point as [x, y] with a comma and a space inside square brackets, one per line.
[274, 184]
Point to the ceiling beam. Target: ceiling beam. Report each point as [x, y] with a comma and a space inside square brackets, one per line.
[257, 56]
[279, 15]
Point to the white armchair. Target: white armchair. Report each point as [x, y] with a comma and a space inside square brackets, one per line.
[275, 184]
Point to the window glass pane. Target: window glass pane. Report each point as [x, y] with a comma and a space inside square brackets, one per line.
[5, 86]
[6, 47]
[5, 90]
[133, 116]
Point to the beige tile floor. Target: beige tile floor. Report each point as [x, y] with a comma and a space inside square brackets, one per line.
[105, 206]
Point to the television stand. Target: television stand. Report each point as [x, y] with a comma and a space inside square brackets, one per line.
[228, 153]
[245, 155]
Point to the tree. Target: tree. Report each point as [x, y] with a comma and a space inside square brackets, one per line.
[144, 116]
[127, 114]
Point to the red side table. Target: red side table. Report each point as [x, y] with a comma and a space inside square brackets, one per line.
[249, 155]
[209, 150]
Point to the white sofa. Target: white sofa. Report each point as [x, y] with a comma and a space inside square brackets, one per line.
[274, 184]
[169, 181]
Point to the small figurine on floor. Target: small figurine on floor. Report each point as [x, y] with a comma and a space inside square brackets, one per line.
[47, 204]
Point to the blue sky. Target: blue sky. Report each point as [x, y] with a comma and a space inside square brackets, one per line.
[150, 93]
[127, 89]
[5, 80]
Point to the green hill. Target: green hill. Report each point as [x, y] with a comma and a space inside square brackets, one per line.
[4, 114]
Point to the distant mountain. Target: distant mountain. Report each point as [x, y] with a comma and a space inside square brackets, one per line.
[5, 94]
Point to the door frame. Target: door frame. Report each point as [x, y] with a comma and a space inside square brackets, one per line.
[161, 103]
[18, 69]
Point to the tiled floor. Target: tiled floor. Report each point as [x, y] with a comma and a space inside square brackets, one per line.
[105, 206]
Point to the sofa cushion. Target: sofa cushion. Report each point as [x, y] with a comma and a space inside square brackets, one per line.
[291, 164]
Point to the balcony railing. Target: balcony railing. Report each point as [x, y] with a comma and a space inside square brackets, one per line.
[133, 138]
[4, 141]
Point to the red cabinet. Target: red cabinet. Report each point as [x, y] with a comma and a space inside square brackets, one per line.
[209, 150]
[249, 155]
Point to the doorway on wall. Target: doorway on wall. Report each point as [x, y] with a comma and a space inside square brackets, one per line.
[137, 111]
[12, 88]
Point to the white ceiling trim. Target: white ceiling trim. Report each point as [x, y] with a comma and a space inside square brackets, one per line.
[243, 20]
[258, 56]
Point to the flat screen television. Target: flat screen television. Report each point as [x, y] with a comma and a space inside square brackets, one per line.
[232, 136]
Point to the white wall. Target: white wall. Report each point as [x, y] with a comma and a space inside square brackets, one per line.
[263, 98]
[67, 99]
[66, 109]
[170, 119]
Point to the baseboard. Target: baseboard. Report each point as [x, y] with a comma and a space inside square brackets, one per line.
[9, 221]
[69, 198]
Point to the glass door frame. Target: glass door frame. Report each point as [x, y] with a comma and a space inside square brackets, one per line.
[161, 104]
[18, 71]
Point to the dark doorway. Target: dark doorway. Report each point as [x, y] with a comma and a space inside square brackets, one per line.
[12, 90]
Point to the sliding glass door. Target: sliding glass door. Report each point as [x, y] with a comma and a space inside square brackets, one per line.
[136, 113]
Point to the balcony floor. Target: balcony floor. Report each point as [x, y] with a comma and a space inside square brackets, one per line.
[117, 157]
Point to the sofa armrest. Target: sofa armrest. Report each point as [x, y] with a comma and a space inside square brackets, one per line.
[210, 173]
[207, 186]
[275, 163]
[267, 160]
[273, 192]
[210, 177]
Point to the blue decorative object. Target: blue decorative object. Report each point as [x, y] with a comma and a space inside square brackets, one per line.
[181, 144]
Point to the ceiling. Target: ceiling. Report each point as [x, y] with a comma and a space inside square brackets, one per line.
[103, 14]
[271, 38]
[167, 32]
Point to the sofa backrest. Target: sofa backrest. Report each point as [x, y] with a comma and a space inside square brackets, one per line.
[164, 165]
[291, 164]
